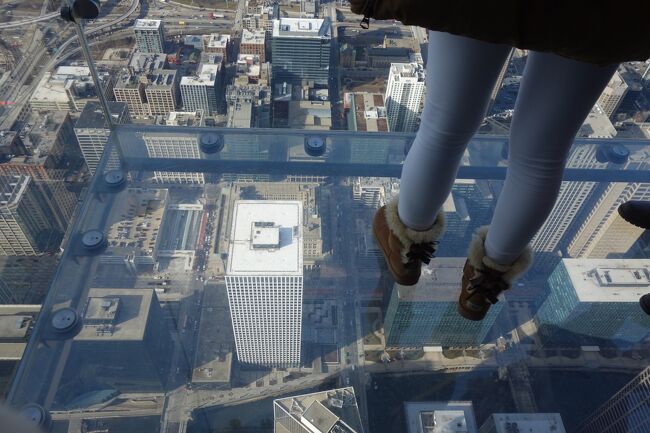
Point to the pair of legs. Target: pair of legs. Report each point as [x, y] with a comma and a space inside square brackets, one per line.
[555, 96]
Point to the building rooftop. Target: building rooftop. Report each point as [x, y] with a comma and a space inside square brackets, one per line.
[438, 283]
[302, 28]
[253, 37]
[316, 115]
[528, 423]
[162, 78]
[597, 125]
[440, 417]
[14, 327]
[325, 412]
[93, 117]
[266, 238]
[206, 75]
[128, 81]
[12, 189]
[116, 314]
[368, 111]
[147, 62]
[609, 280]
[218, 41]
[184, 118]
[407, 72]
[146, 24]
[56, 87]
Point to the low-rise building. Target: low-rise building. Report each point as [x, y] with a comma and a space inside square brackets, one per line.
[69, 88]
[328, 411]
[217, 43]
[253, 42]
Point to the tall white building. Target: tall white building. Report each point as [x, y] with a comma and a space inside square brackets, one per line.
[174, 145]
[523, 422]
[92, 130]
[149, 36]
[200, 92]
[404, 94]
[264, 281]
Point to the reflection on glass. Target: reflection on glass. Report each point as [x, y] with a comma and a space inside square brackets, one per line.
[208, 263]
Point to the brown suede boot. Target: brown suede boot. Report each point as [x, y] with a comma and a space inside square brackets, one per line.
[484, 280]
[405, 249]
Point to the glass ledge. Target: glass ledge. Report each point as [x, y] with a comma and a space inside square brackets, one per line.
[137, 320]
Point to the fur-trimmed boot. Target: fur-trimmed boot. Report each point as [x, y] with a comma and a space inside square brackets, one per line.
[484, 279]
[405, 249]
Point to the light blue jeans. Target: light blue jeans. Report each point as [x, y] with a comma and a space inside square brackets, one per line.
[555, 96]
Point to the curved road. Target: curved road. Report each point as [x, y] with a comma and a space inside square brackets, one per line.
[17, 93]
[39, 18]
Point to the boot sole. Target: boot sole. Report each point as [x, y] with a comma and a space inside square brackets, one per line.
[384, 248]
[470, 315]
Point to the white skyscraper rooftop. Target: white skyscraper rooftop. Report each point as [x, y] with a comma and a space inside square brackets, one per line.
[264, 281]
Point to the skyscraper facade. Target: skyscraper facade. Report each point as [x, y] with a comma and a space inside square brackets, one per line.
[628, 411]
[31, 218]
[264, 280]
[597, 298]
[177, 146]
[300, 48]
[149, 36]
[404, 93]
[200, 92]
[92, 130]
[426, 314]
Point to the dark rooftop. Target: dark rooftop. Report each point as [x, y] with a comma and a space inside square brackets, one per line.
[92, 116]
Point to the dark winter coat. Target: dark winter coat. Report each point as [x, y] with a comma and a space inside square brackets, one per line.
[594, 31]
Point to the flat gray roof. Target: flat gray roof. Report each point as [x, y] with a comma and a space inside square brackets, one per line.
[14, 326]
[130, 319]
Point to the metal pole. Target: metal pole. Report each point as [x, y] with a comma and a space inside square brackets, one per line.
[93, 72]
